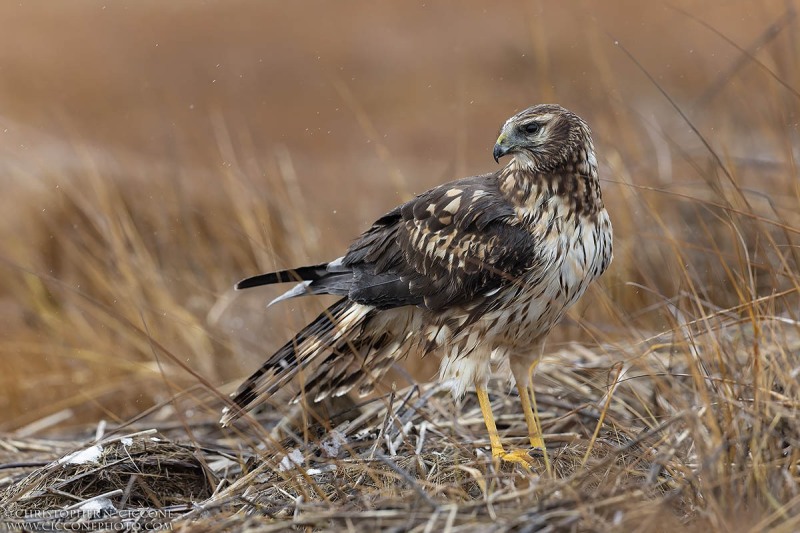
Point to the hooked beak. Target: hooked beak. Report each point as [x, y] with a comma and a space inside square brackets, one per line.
[501, 147]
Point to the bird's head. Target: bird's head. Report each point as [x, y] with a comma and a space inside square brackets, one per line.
[544, 137]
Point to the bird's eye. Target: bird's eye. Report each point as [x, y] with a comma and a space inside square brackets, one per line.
[531, 128]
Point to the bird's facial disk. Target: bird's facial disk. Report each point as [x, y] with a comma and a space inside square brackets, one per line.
[523, 132]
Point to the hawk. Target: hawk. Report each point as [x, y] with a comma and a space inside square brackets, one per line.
[473, 270]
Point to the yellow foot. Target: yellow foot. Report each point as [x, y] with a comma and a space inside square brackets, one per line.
[519, 456]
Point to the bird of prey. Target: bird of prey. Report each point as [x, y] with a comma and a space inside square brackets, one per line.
[474, 270]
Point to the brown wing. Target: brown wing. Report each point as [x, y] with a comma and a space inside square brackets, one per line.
[448, 246]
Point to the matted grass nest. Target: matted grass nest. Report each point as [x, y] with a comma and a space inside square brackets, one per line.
[143, 473]
[647, 438]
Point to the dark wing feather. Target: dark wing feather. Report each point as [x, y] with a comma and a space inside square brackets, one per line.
[311, 273]
[448, 246]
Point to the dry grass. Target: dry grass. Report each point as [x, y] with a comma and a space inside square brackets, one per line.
[253, 137]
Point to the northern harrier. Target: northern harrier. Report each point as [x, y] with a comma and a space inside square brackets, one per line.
[472, 270]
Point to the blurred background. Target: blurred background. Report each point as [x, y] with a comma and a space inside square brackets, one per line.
[152, 154]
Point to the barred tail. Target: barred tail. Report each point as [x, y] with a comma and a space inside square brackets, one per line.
[316, 353]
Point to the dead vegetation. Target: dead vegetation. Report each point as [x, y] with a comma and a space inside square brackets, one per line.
[655, 436]
[669, 398]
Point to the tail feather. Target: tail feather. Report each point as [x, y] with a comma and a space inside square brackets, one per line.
[330, 334]
[347, 366]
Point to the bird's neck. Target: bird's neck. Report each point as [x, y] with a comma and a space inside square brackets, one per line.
[574, 182]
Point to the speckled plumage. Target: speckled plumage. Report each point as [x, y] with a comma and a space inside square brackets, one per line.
[472, 270]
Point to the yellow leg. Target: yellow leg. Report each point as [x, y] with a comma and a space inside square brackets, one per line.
[534, 430]
[488, 418]
[516, 456]
[532, 417]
